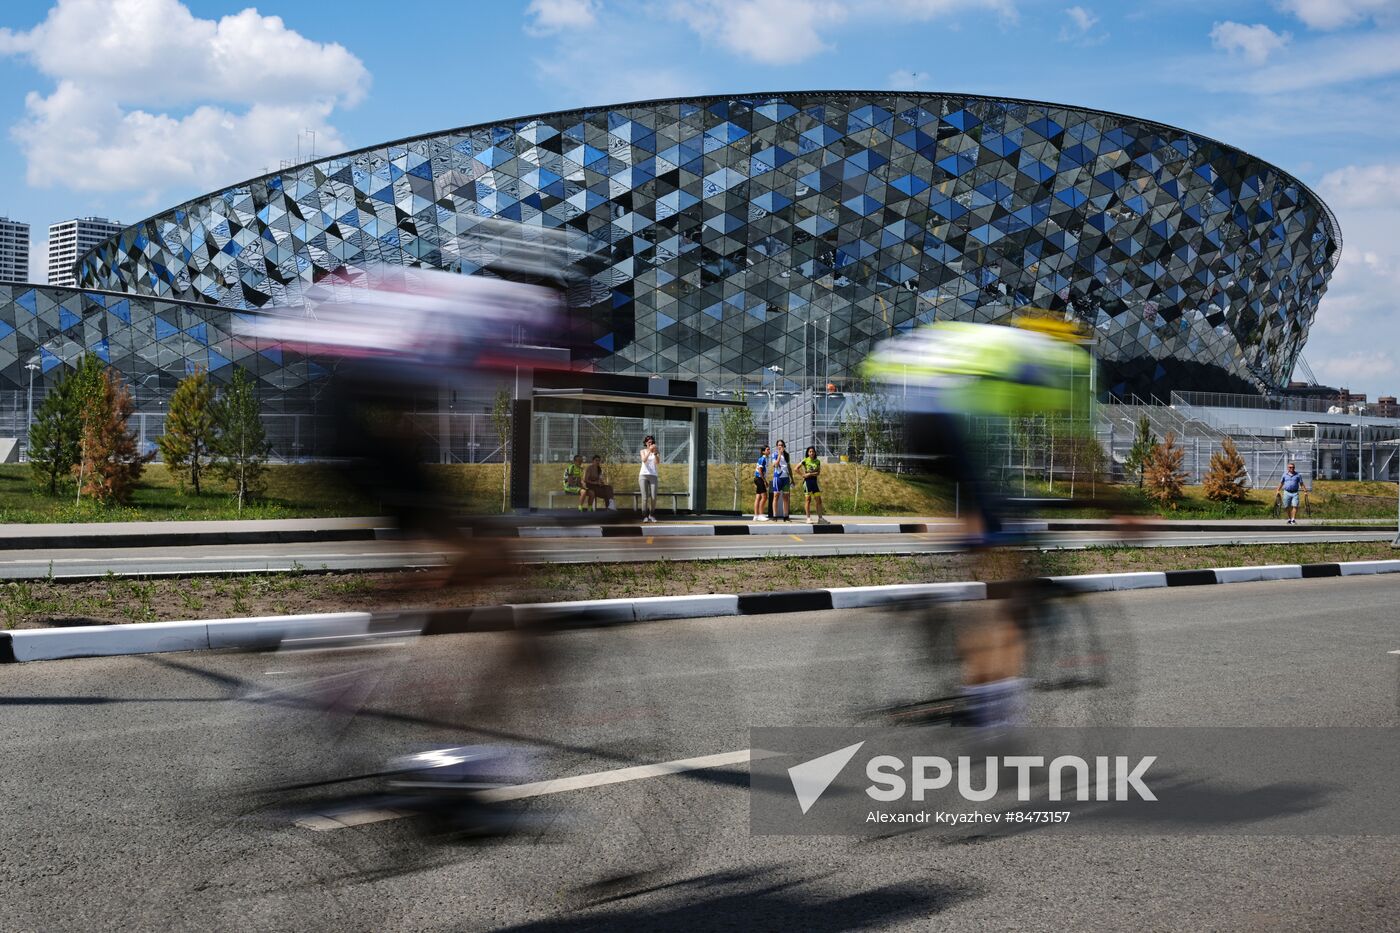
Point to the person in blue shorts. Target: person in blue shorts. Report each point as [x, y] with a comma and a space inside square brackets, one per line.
[809, 469]
[760, 486]
[782, 481]
[1290, 486]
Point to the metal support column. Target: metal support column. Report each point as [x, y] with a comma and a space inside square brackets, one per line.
[699, 461]
[522, 417]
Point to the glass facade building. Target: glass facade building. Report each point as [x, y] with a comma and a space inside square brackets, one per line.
[797, 229]
[152, 342]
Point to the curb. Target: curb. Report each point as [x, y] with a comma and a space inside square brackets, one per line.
[271, 631]
[187, 538]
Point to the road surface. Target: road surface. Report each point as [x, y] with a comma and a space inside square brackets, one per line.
[121, 774]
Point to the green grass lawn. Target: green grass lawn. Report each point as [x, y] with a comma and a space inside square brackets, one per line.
[293, 491]
[316, 491]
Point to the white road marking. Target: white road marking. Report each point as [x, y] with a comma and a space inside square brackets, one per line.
[342, 819]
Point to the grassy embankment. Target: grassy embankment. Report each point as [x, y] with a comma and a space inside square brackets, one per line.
[313, 491]
[119, 599]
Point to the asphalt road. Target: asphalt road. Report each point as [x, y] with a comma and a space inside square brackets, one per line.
[127, 782]
[388, 554]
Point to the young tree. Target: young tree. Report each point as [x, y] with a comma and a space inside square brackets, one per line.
[110, 465]
[865, 428]
[1080, 449]
[1226, 481]
[238, 444]
[1139, 455]
[1163, 475]
[608, 439]
[189, 427]
[732, 436]
[55, 438]
[502, 411]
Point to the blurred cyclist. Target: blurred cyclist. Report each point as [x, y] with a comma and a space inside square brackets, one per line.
[943, 376]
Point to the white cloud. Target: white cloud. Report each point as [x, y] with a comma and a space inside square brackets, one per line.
[150, 97]
[547, 17]
[772, 32]
[1254, 43]
[904, 79]
[1360, 301]
[1083, 19]
[1334, 14]
[1080, 28]
[39, 261]
[783, 32]
[1372, 369]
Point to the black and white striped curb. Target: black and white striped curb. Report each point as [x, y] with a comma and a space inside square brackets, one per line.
[696, 529]
[271, 631]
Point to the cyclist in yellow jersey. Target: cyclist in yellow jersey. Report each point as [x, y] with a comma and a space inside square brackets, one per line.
[941, 375]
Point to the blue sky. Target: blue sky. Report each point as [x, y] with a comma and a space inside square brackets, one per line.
[121, 107]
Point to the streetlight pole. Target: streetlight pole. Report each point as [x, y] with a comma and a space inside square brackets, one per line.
[32, 365]
[772, 405]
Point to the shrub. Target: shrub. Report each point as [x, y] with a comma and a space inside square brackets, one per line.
[1226, 480]
[55, 438]
[1163, 477]
[189, 428]
[239, 443]
[1140, 454]
[110, 464]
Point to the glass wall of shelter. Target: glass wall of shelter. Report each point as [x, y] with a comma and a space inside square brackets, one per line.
[563, 427]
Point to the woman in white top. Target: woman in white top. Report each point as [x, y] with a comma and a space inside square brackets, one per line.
[647, 478]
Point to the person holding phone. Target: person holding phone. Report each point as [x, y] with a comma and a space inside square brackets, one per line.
[648, 478]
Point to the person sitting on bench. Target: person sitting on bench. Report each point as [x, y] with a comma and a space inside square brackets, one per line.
[573, 480]
[595, 487]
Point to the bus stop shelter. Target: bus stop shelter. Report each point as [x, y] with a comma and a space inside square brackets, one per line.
[562, 413]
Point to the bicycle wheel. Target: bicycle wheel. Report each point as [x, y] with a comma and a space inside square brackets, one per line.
[898, 667]
[1080, 657]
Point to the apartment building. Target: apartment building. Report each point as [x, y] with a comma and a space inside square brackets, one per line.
[70, 239]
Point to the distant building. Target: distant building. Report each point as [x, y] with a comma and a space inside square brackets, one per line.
[1386, 407]
[72, 238]
[14, 251]
[1346, 397]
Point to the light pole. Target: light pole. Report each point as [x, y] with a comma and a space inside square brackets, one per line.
[32, 366]
[772, 403]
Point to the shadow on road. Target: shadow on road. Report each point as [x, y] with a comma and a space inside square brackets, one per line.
[734, 900]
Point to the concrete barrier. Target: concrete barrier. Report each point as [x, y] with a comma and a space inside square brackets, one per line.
[1354, 567]
[1107, 582]
[270, 631]
[47, 644]
[1255, 574]
[863, 597]
[654, 608]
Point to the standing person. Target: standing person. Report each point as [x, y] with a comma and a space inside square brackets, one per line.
[647, 478]
[1291, 483]
[809, 469]
[596, 486]
[782, 480]
[760, 486]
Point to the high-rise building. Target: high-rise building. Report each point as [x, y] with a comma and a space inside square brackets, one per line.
[14, 251]
[72, 238]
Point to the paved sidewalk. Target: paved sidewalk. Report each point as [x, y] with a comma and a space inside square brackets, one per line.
[570, 524]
